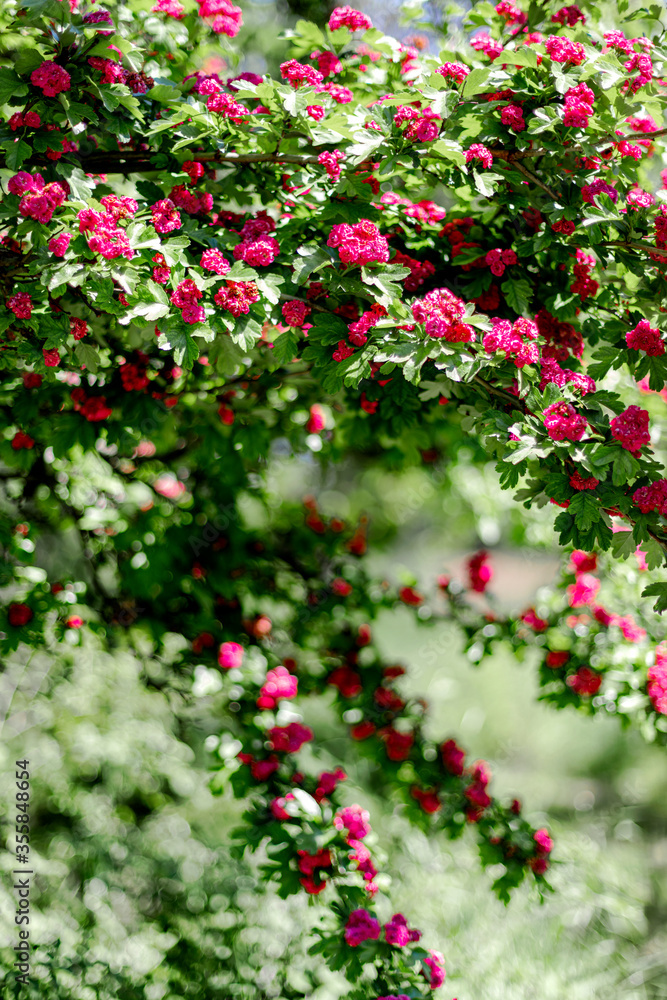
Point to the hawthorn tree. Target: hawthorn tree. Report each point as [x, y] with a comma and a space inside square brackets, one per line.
[384, 254]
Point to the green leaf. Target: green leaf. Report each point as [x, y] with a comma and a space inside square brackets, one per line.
[247, 331]
[285, 347]
[475, 82]
[181, 342]
[659, 591]
[518, 294]
[585, 509]
[311, 257]
[17, 153]
[87, 355]
[11, 85]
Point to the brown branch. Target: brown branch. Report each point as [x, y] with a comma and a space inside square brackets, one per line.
[535, 180]
[136, 162]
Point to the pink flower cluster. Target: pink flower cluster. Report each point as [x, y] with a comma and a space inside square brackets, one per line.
[563, 50]
[598, 186]
[290, 738]
[584, 590]
[360, 927]
[421, 123]
[190, 202]
[38, 200]
[510, 12]
[295, 313]
[236, 297]
[223, 17]
[453, 71]
[563, 423]
[637, 198]
[499, 259]
[51, 78]
[397, 932]
[29, 120]
[551, 371]
[258, 252]
[568, 15]
[330, 160]
[166, 216]
[225, 105]
[420, 270]
[348, 17]
[106, 238]
[489, 46]
[544, 846]
[355, 820]
[360, 243]
[583, 285]
[441, 312]
[435, 964]
[645, 338]
[630, 429]
[20, 304]
[328, 63]
[479, 152]
[652, 497]
[644, 65]
[112, 71]
[298, 74]
[578, 106]
[657, 680]
[480, 573]
[279, 684]
[512, 116]
[214, 260]
[172, 8]
[516, 340]
[119, 207]
[186, 296]
[58, 244]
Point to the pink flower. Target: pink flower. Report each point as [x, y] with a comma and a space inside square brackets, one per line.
[563, 423]
[355, 820]
[224, 17]
[22, 182]
[583, 562]
[20, 304]
[652, 497]
[297, 73]
[585, 682]
[360, 927]
[630, 429]
[568, 15]
[277, 806]
[213, 260]
[58, 244]
[645, 338]
[512, 115]
[348, 17]
[315, 111]
[397, 932]
[479, 152]
[51, 358]
[172, 8]
[258, 253]
[489, 46]
[360, 243]
[563, 50]
[295, 313]
[225, 105]
[455, 71]
[51, 78]
[637, 199]
[279, 684]
[657, 680]
[480, 573]
[330, 161]
[230, 655]
[78, 328]
[441, 312]
[236, 297]
[166, 216]
[583, 591]
[435, 964]
[290, 738]
[453, 757]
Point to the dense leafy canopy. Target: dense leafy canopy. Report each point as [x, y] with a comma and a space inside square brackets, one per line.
[203, 270]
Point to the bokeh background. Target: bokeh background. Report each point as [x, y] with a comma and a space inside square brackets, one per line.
[138, 894]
